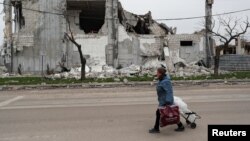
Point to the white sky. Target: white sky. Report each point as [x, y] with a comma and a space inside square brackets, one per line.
[162, 9]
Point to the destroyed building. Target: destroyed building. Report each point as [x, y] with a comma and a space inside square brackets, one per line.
[108, 34]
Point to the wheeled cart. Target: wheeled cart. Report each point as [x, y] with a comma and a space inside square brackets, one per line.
[187, 114]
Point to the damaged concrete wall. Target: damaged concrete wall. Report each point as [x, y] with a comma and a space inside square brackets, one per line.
[112, 26]
[24, 37]
[142, 24]
[193, 48]
[75, 18]
[74, 21]
[93, 44]
[93, 47]
[138, 49]
[8, 34]
[141, 39]
[150, 46]
[151, 50]
[1, 56]
[128, 48]
[39, 43]
[26, 52]
[98, 47]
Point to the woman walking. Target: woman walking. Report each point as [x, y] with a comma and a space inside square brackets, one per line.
[165, 97]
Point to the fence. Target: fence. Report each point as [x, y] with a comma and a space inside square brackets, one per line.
[235, 62]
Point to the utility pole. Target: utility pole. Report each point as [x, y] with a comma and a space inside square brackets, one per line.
[209, 46]
[8, 36]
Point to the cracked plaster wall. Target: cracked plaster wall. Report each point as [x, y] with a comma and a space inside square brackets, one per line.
[190, 54]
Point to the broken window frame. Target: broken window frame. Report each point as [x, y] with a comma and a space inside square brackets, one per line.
[18, 15]
[90, 28]
[186, 43]
[90, 15]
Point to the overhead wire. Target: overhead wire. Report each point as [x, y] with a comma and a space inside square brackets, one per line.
[159, 19]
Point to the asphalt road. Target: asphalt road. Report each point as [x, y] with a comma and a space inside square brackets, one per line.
[113, 114]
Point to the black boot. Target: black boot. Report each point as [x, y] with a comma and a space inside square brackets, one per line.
[180, 127]
[153, 131]
[157, 123]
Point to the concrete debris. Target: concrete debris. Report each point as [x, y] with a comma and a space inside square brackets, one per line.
[181, 69]
[73, 73]
[180, 65]
[151, 63]
[78, 70]
[96, 69]
[150, 66]
[186, 70]
[63, 68]
[3, 70]
[125, 39]
[91, 72]
[4, 75]
[142, 24]
[87, 69]
[101, 75]
[57, 76]
[131, 70]
[170, 29]
[149, 50]
[192, 69]
[179, 60]
[108, 69]
[125, 81]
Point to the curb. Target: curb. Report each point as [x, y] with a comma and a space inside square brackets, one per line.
[113, 85]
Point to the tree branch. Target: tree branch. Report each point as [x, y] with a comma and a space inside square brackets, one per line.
[69, 26]
[219, 35]
[72, 39]
[244, 30]
[231, 30]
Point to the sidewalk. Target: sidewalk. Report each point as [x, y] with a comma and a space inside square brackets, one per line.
[120, 84]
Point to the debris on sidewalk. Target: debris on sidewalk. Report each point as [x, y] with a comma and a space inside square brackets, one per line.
[131, 70]
[3, 72]
[181, 69]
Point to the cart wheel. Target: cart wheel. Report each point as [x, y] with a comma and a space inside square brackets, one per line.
[188, 122]
[193, 125]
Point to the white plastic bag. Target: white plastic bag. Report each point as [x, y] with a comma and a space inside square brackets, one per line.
[184, 109]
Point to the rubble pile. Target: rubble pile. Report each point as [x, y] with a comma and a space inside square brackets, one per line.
[181, 69]
[105, 72]
[186, 70]
[151, 65]
[131, 70]
[3, 72]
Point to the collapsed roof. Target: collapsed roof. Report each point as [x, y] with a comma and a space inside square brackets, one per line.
[142, 24]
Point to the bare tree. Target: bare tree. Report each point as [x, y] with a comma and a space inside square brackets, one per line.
[233, 28]
[70, 37]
